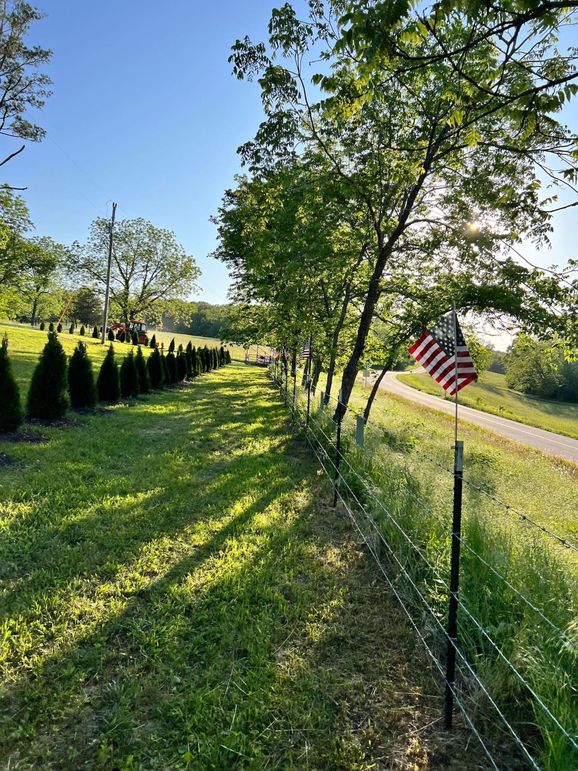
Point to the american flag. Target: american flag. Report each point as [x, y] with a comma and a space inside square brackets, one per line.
[305, 351]
[436, 352]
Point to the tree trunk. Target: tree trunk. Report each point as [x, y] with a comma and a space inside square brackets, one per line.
[334, 342]
[316, 372]
[33, 312]
[374, 390]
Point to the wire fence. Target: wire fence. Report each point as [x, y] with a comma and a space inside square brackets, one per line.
[516, 659]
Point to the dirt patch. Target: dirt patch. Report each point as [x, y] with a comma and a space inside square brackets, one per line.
[59, 423]
[25, 437]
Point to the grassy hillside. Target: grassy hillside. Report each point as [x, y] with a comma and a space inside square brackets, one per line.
[491, 394]
[175, 594]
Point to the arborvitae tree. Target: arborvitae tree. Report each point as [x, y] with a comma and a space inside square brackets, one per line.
[172, 345]
[81, 331]
[10, 407]
[221, 356]
[166, 373]
[51, 327]
[42, 326]
[47, 398]
[144, 382]
[121, 337]
[81, 385]
[228, 359]
[153, 341]
[215, 358]
[189, 361]
[181, 366]
[59, 328]
[194, 361]
[95, 333]
[155, 369]
[111, 335]
[107, 383]
[172, 366]
[71, 329]
[129, 385]
[134, 337]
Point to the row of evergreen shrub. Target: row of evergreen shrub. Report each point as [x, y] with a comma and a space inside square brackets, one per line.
[55, 385]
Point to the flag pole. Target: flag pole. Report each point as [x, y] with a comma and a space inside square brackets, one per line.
[452, 628]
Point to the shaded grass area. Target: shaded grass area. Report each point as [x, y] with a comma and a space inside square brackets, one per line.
[491, 394]
[174, 595]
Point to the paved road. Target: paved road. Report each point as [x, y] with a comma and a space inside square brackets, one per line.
[547, 441]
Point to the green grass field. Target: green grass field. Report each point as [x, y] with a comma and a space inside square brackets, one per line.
[175, 593]
[491, 394]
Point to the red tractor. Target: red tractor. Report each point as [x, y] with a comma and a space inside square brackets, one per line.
[133, 326]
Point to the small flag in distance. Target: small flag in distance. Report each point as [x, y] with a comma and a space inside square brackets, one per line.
[436, 351]
[305, 351]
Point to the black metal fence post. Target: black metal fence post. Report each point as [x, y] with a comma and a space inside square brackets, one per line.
[337, 453]
[308, 400]
[454, 583]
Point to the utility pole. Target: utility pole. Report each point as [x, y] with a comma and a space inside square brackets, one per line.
[107, 295]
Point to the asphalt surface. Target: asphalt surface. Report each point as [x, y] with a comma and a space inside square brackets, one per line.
[556, 444]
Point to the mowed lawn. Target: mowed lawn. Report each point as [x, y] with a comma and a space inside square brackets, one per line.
[176, 594]
[491, 394]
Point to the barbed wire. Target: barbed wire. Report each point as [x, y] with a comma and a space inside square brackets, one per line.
[340, 479]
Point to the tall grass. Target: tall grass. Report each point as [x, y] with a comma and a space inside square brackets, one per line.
[408, 495]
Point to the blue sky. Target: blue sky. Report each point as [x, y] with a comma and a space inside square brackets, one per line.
[145, 112]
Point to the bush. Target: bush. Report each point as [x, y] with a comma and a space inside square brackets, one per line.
[166, 375]
[153, 341]
[10, 407]
[81, 331]
[129, 385]
[81, 385]
[51, 327]
[144, 383]
[172, 346]
[155, 369]
[228, 352]
[47, 398]
[189, 361]
[107, 383]
[134, 337]
[111, 335]
[120, 337]
[181, 366]
[222, 359]
[71, 329]
[95, 333]
[171, 366]
[42, 326]
[59, 328]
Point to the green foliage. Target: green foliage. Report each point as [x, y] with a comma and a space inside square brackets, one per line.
[129, 382]
[42, 326]
[181, 366]
[111, 335]
[71, 329]
[172, 346]
[59, 328]
[47, 397]
[95, 334]
[171, 362]
[10, 407]
[82, 331]
[107, 383]
[155, 369]
[81, 386]
[539, 368]
[51, 327]
[150, 267]
[144, 382]
[196, 365]
[153, 341]
[166, 375]
[134, 338]
[86, 306]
